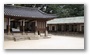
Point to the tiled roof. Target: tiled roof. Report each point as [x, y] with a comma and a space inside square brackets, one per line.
[67, 20]
[25, 12]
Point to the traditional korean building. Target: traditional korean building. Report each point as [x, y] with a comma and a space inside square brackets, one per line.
[25, 20]
[70, 24]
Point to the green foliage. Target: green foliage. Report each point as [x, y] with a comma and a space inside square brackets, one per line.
[52, 7]
[67, 10]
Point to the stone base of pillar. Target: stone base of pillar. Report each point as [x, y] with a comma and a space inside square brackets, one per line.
[36, 33]
[46, 33]
[8, 33]
[23, 33]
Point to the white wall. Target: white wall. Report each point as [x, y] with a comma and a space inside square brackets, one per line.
[50, 27]
[81, 27]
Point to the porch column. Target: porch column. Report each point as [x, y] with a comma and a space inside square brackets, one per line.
[55, 28]
[9, 26]
[46, 32]
[78, 28]
[62, 27]
[23, 25]
[36, 32]
[70, 27]
[50, 28]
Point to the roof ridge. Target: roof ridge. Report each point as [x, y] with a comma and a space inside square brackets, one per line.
[73, 17]
[30, 8]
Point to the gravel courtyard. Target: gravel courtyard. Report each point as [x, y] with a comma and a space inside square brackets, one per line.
[55, 42]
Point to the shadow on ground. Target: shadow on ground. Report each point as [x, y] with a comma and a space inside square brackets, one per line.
[70, 34]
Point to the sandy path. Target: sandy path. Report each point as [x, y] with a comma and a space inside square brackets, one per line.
[55, 42]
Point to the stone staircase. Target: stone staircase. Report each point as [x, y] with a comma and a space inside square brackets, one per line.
[26, 36]
[19, 36]
[32, 36]
[8, 37]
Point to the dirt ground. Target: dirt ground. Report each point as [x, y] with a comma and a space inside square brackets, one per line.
[55, 42]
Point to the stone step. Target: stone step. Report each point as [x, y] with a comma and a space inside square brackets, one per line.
[8, 37]
[22, 37]
[33, 37]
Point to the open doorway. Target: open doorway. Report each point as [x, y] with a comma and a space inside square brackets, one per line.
[30, 26]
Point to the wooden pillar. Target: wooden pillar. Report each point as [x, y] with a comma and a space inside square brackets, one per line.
[70, 27]
[23, 25]
[36, 32]
[46, 32]
[73, 28]
[55, 28]
[77, 28]
[49, 26]
[62, 27]
[9, 26]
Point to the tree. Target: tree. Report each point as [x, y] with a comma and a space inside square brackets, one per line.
[65, 10]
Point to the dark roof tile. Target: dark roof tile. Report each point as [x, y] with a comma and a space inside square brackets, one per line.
[25, 12]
